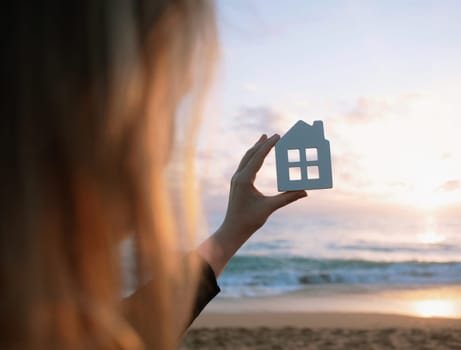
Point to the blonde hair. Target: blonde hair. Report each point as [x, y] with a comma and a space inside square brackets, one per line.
[86, 130]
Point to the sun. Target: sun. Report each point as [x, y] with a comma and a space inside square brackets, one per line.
[431, 237]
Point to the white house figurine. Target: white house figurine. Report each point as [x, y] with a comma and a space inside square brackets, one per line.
[303, 158]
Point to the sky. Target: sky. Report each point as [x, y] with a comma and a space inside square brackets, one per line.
[385, 78]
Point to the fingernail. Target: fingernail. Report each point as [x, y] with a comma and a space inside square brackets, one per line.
[302, 194]
[263, 136]
[274, 136]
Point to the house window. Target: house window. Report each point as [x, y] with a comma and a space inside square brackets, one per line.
[294, 173]
[311, 154]
[313, 173]
[293, 155]
[304, 164]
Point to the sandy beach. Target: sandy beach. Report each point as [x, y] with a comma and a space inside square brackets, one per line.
[306, 330]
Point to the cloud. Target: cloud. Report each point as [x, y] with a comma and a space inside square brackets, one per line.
[372, 108]
[256, 119]
[450, 186]
[248, 87]
[367, 108]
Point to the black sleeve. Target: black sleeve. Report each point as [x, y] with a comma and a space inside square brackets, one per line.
[207, 288]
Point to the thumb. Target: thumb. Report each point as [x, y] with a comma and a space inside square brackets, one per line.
[285, 198]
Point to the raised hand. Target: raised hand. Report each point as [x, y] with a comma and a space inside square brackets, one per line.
[247, 210]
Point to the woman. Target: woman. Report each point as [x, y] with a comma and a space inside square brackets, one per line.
[90, 91]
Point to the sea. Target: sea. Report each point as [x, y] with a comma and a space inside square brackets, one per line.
[293, 253]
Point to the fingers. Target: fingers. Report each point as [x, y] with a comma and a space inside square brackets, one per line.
[256, 161]
[251, 151]
[285, 198]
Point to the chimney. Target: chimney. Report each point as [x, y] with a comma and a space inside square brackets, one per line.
[318, 124]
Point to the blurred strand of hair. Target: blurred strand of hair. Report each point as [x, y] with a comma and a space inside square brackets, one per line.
[91, 92]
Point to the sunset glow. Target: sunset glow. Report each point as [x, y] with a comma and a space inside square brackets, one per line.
[435, 308]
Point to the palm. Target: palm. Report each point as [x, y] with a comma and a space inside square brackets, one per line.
[248, 208]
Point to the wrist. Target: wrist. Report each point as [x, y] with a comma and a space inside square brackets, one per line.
[236, 230]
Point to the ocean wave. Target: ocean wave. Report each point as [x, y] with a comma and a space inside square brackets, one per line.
[420, 248]
[265, 275]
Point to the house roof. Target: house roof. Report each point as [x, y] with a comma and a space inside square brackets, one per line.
[302, 132]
